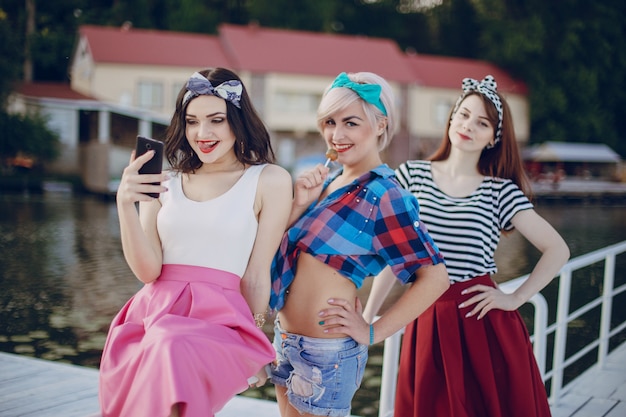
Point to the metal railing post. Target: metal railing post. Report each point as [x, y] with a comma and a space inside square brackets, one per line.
[607, 309]
[541, 328]
[540, 333]
[391, 357]
[560, 335]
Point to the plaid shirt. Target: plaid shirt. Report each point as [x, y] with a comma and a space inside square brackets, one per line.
[358, 230]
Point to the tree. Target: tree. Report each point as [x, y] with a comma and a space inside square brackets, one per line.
[11, 53]
[26, 138]
[456, 29]
[572, 55]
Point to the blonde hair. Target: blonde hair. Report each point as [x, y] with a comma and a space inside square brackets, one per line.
[336, 99]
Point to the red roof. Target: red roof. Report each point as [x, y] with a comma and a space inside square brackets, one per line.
[51, 90]
[448, 72]
[258, 49]
[152, 47]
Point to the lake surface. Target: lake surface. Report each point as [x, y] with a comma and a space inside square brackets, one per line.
[63, 275]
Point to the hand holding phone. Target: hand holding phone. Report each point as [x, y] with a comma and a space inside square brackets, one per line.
[154, 165]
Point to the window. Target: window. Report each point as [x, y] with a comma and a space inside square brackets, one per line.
[292, 102]
[176, 87]
[150, 95]
[441, 112]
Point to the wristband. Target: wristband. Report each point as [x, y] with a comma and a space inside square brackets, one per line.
[371, 334]
[259, 319]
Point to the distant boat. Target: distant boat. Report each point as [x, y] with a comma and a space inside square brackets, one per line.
[57, 187]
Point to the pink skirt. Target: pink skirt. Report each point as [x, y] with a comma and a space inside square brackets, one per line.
[188, 338]
[463, 367]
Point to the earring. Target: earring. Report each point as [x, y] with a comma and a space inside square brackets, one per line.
[243, 150]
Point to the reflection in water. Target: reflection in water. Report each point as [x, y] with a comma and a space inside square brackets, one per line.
[63, 275]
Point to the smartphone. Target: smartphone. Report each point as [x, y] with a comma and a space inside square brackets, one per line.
[154, 165]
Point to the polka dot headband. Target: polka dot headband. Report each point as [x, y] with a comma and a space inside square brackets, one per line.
[488, 88]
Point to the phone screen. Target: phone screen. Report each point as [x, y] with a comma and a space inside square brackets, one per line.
[154, 165]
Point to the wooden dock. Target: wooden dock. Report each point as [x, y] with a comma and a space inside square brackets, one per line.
[32, 387]
[580, 190]
[598, 392]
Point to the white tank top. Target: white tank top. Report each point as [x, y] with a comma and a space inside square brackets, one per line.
[218, 233]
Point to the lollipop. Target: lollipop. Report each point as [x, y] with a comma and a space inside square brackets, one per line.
[332, 155]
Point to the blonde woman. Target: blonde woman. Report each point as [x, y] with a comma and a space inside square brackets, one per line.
[343, 229]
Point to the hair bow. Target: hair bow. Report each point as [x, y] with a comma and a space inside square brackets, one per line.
[368, 92]
[198, 85]
[488, 88]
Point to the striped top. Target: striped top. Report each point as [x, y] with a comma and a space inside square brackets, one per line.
[466, 229]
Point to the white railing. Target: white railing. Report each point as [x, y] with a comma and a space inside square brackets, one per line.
[542, 330]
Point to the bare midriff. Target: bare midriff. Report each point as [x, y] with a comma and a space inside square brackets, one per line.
[314, 284]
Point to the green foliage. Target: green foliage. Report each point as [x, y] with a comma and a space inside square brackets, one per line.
[457, 29]
[192, 16]
[52, 52]
[11, 53]
[26, 136]
[570, 53]
[309, 15]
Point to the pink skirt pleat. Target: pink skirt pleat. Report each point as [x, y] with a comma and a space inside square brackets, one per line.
[188, 338]
[452, 366]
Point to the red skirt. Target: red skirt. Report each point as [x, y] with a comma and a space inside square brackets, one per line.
[463, 367]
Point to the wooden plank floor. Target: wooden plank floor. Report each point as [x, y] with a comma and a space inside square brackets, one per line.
[32, 387]
[37, 388]
[597, 392]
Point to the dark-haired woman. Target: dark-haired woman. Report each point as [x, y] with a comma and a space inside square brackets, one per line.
[188, 341]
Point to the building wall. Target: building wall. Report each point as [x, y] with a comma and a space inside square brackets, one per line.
[64, 122]
[119, 84]
[287, 103]
[430, 108]
[81, 69]
[292, 100]
[428, 112]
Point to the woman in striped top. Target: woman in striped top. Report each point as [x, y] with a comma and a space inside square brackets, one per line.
[470, 354]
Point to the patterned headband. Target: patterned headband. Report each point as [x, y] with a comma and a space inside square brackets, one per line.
[198, 85]
[368, 92]
[488, 88]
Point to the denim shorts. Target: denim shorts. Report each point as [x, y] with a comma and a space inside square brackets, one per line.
[321, 375]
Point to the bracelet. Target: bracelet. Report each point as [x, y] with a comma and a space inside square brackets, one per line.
[259, 319]
[371, 334]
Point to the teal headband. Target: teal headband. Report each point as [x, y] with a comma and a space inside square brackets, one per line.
[368, 92]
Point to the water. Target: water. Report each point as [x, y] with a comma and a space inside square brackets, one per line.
[63, 275]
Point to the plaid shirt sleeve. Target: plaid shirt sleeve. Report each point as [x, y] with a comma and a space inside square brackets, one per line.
[401, 238]
[358, 230]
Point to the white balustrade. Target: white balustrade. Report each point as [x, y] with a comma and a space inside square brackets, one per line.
[542, 330]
